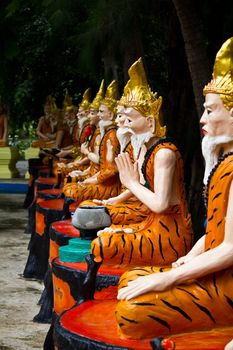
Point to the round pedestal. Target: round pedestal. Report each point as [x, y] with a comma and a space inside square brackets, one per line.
[8, 159]
[68, 279]
[51, 193]
[60, 233]
[43, 183]
[92, 325]
[47, 212]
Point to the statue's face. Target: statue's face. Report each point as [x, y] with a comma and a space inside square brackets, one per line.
[105, 113]
[47, 111]
[81, 113]
[120, 117]
[93, 116]
[137, 122]
[216, 119]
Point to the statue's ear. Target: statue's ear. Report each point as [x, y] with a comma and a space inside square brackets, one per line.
[231, 112]
[151, 123]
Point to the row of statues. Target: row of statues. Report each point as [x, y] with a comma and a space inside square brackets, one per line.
[126, 164]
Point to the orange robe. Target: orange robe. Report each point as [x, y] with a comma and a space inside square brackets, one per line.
[45, 128]
[160, 238]
[2, 130]
[108, 178]
[198, 305]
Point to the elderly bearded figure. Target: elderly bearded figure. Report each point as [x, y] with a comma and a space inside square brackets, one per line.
[165, 233]
[196, 293]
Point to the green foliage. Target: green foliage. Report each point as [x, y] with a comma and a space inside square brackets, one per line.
[22, 137]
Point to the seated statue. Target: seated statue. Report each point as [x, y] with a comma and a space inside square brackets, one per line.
[77, 124]
[124, 208]
[105, 182]
[196, 294]
[88, 139]
[3, 128]
[47, 125]
[165, 234]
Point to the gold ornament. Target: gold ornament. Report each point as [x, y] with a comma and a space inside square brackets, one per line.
[111, 96]
[67, 100]
[222, 79]
[138, 95]
[71, 109]
[86, 100]
[99, 97]
[51, 102]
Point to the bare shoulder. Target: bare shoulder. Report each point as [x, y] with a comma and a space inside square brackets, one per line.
[165, 156]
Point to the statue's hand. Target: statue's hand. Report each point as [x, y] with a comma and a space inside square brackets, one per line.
[182, 260]
[109, 201]
[84, 148]
[75, 173]
[229, 346]
[115, 230]
[61, 165]
[127, 170]
[62, 154]
[155, 282]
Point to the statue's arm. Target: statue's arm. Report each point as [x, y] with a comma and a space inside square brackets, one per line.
[5, 134]
[213, 260]
[95, 156]
[38, 129]
[197, 249]
[164, 168]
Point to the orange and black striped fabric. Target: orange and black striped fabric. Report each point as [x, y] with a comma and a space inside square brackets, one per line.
[158, 240]
[108, 178]
[93, 167]
[197, 305]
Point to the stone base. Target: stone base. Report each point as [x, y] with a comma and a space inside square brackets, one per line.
[30, 153]
[8, 159]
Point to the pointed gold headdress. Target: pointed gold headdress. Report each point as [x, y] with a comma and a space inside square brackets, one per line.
[111, 96]
[99, 97]
[138, 95]
[86, 100]
[51, 102]
[67, 100]
[222, 77]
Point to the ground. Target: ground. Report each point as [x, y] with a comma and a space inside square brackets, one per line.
[18, 297]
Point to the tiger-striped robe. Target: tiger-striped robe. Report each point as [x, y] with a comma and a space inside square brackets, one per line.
[93, 167]
[45, 128]
[160, 238]
[202, 304]
[108, 178]
[129, 211]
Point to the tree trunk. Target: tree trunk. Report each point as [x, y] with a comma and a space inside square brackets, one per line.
[182, 122]
[195, 48]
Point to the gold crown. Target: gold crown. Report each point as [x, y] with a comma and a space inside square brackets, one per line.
[85, 103]
[67, 100]
[222, 80]
[111, 96]
[51, 102]
[71, 109]
[138, 95]
[99, 97]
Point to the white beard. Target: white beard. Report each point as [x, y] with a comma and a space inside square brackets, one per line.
[209, 145]
[138, 140]
[81, 123]
[103, 124]
[124, 136]
[53, 126]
